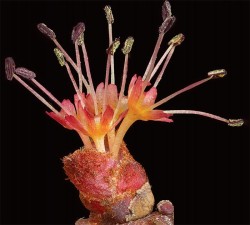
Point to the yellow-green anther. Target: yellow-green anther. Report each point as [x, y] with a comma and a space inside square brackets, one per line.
[235, 122]
[177, 40]
[80, 39]
[116, 43]
[217, 73]
[128, 45]
[109, 14]
[59, 56]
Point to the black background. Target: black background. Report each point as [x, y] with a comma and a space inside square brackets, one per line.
[201, 165]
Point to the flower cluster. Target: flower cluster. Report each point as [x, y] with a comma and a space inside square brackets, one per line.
[103, 115]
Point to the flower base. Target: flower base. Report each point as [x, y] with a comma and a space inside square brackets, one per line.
[113, 190]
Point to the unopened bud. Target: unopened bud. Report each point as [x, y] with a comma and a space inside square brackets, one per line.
[9, 68]
[47, 31]
[177, 40]
[111, 50]
[128, 45]
[77, 33]
[25, 73]
[109, 14]
[59, 56]
[167, 24]
[166, 10]
[165, 207]
[217, 73]
[235, 122]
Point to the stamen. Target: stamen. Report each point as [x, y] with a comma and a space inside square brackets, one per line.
[168, 21]
[46, 31]
[78, 61]
[59, 56]
[74, 84]
[235, 122]
[167, 24]
[78, 39]
[191, 86]
[177, 40]
[230, 122]
[50, 95]
[109, 14]
[9, 68]
[45, 102]
[25, 73]
[217, 73]
[106, 83]
[126, 50]
[110, 20]
[166, 10]
[77, 31]
[113, 47]
[92, 90]
[164, 66]
[62, 62]
[128, 45]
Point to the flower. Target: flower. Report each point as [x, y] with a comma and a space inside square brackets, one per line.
[111, 184]
[103, 115]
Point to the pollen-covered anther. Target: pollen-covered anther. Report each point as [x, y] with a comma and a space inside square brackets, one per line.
[167, 24]
[9, 68]
[77, 33]
[116, 43]
[235, 122]
[109, 14]
[46, 31]
[59, 56]
[220, 73]
[128, 45]
[177, 40]
[166, 10]
[25, 73]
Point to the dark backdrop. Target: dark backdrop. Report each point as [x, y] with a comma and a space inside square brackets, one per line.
[201, 165]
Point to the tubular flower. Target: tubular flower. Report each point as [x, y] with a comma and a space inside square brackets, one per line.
[112, 185]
